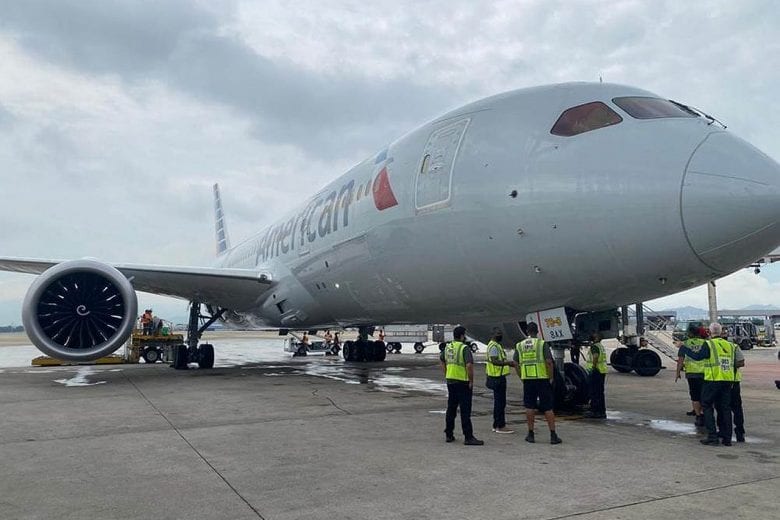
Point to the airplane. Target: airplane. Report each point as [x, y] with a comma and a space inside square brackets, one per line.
[581, 197]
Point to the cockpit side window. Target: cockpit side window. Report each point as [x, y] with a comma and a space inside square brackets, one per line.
[652, 108]
[584, 118]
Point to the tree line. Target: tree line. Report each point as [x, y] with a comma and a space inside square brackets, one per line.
[11, 328]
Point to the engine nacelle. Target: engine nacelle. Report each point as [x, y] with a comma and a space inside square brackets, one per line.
[79, 310]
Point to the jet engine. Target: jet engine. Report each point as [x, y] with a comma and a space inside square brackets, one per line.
[79, 310]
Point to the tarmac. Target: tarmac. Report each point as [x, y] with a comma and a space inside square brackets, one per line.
[316, 437]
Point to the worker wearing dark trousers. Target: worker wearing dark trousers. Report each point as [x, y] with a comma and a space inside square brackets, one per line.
[458, 366]
[497, 368]
[736, 392]
[719, 368]
[596, 365]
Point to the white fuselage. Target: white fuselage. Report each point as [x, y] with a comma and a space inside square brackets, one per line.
[612, 216]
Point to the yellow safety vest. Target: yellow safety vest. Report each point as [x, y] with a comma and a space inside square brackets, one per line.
[720, 365]
[496, 370]
[602, 364]
[456, 361]
[691, 366]
[532, 363]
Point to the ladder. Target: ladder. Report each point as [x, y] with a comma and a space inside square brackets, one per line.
[656, 333]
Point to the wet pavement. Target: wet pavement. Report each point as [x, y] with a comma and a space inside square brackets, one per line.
[265, 435]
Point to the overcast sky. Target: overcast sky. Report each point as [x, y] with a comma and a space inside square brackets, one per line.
[117, 116]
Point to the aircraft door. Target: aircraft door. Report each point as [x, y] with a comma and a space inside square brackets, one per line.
[433, 185]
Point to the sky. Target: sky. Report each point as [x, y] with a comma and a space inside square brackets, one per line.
[116, 117]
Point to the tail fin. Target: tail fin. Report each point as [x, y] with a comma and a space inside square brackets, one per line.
[223, 242]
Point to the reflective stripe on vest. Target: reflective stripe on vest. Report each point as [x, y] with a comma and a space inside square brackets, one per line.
[602, 364]
[456, 362]
[532, 363]
[496, 370]
[691, 366]
[720, 365]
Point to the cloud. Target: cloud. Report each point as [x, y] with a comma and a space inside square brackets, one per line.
[181, 45]
[117, 116]
[736, 291]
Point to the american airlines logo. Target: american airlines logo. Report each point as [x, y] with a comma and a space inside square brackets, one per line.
[325, 214]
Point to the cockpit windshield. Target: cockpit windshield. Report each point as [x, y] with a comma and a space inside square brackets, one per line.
[584, 118]
[652, 108]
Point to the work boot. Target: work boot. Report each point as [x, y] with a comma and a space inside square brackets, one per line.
[554, 439]
[448, 437]
[710, 442]
[726, 442]
[473, 441]
[692, 413]
[699, 421]
[530, 437]
[740, 437]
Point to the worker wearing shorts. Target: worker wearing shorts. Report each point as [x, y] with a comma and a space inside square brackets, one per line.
[535, 367]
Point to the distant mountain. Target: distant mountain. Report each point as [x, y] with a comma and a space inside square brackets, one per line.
[759, 307]
[689, 313]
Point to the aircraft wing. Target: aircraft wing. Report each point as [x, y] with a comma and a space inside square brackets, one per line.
[236, 289]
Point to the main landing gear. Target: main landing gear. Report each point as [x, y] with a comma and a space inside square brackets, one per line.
[364, 349]
[643, 361]
[193, 352]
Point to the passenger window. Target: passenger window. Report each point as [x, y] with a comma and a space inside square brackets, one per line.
[652, 108]
[584, 118]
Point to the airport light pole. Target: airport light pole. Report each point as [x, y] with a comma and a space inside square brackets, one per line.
[712, 300]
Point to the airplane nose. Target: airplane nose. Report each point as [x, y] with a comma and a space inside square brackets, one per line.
[730, 202]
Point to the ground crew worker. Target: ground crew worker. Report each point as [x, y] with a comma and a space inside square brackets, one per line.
[719, 357]
[146, 322]
[694, 370]
[535, 368]
[737, 412]
[497, 368]
[458, 366]
[596, 365]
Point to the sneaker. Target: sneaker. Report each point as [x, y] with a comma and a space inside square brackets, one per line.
[554, 439]
[530, 437]
[473, 441]
[740, 437]
[449, 438]
[710, 442]
[503, 430]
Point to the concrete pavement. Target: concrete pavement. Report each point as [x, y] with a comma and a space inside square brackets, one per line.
[318, 438]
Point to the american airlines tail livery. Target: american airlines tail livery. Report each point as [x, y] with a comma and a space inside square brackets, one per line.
[577, 196]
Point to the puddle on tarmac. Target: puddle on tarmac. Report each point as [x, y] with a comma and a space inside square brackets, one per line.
[664, 425]
[80, 379]
[376, 378]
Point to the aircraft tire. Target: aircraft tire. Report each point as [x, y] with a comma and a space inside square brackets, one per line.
[620, 359]
[647, 363]
[380, 351]
[180, 357]
[418, 348]
[151, 355]
[206, 356]
[348, 351]
[577, 384]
